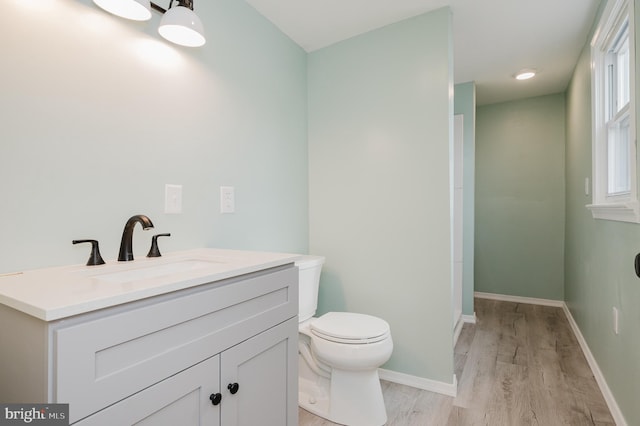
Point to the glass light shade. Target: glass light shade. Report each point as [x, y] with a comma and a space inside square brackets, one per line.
[180, 25]
[136, 10]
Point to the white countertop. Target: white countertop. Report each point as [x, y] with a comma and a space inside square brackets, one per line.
[54, 293]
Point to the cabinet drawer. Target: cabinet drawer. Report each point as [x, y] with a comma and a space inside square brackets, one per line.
[100, 361]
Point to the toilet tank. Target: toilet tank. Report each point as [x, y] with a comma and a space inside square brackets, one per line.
[309, 268]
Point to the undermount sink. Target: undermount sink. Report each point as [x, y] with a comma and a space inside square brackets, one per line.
[155, 271]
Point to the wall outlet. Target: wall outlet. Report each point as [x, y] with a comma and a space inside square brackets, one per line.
[227, 199]
[616, 321]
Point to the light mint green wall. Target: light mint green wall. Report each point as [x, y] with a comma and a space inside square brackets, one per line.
[519, 246]
[599, 272]
[380, 130]
[465, 104]
[99, 113]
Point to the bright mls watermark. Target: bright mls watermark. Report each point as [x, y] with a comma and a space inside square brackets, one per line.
[34, 414]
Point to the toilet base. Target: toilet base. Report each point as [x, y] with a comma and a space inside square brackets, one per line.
[352, 398]
[313, 398]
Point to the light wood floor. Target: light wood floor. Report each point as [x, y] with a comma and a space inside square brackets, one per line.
[519, 365]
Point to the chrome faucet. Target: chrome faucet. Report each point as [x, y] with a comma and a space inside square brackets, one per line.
[126, 245]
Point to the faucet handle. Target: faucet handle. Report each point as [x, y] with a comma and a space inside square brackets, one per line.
[154, 251]
[94, 258]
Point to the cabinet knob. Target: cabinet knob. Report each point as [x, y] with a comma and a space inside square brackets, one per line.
[233, 387]
[215, 398]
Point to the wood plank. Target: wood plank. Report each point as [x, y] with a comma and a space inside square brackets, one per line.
[510, 398]
[400, 401]
[476, 381]
[430, 408]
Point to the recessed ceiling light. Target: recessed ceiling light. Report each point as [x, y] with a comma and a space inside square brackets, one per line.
[525, 74]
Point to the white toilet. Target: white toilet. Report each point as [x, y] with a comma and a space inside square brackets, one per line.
[339, 355]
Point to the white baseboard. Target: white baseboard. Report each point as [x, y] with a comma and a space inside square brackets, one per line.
[618, 417]
[597, 373]
[449, 389]
[457, 330]
[520, 299]
[470, 319]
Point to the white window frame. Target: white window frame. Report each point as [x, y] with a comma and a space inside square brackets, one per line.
[618, 206]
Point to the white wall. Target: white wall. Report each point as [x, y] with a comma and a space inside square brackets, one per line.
[599, 254]
[99, 113]
[380, 131]
[520, 197]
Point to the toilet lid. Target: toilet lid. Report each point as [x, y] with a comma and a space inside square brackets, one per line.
[348, 327]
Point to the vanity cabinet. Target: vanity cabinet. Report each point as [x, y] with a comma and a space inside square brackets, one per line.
[167, 359]
[254, 392]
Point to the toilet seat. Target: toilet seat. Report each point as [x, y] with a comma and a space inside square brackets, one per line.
[350, 328]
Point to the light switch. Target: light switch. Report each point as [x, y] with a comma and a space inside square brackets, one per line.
[173, 199]
[586, 186]
[227, 199]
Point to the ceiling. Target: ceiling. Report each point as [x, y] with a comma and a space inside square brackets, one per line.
[493, 39]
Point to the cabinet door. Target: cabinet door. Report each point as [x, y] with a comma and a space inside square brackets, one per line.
[182, 399]
[265, 370]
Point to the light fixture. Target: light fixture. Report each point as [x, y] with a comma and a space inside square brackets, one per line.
[179, 24]
[136, 10]
[525, 74]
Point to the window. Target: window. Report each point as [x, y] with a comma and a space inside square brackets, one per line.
[614, 135]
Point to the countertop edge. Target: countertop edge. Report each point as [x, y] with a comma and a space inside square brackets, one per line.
[70, 309]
